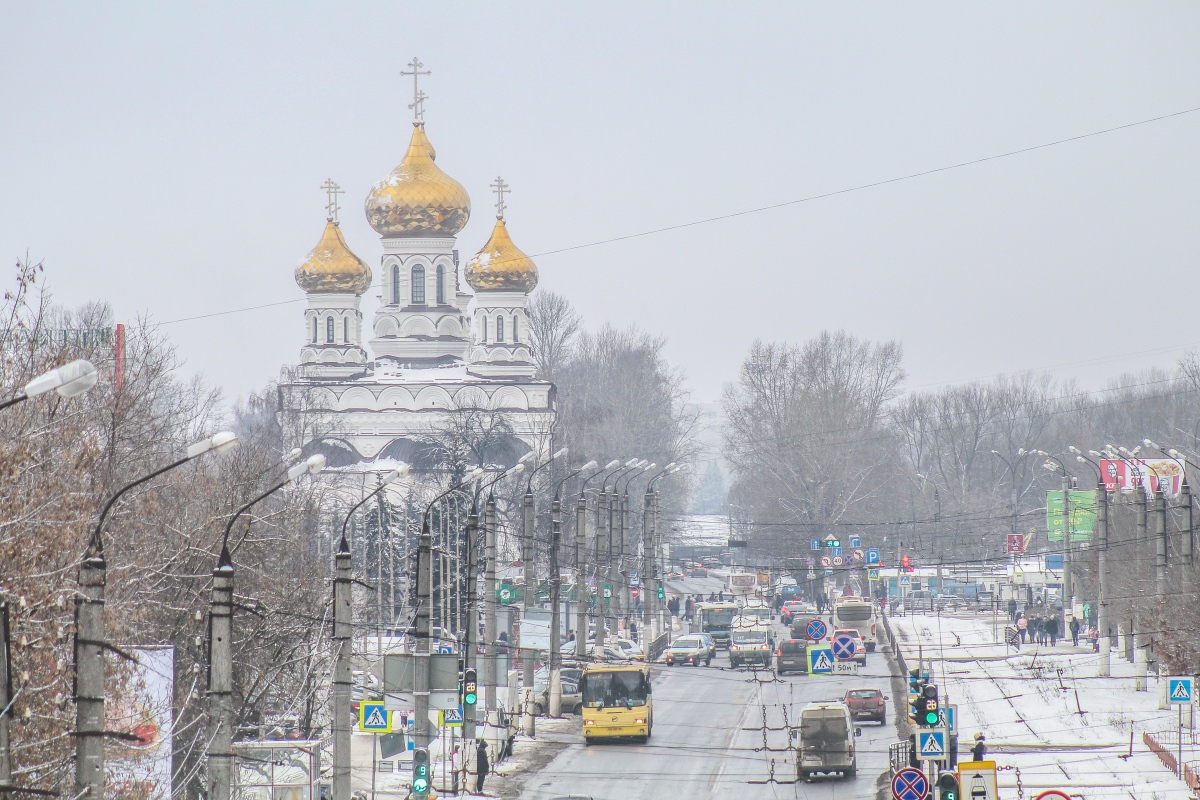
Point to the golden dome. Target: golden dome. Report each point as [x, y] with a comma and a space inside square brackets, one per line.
[331, 267]
[417, 198]
[501, 266]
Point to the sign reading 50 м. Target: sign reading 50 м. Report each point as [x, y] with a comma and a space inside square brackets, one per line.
[1082, 519]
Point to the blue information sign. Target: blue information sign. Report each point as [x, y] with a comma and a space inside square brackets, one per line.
[873, 555]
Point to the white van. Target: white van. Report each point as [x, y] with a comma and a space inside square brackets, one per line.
[826, 742]
[857, 613]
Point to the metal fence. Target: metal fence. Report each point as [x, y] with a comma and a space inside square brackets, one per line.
[658, 646]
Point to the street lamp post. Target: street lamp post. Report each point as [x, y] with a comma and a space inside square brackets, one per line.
[650, 578]
[343, 632]
[90, 640]
[69, 380]
[555, 704]
[625, 524]
[1055, 463]
[582, 550]
[220, 647]
[610, 513]
[489, 571]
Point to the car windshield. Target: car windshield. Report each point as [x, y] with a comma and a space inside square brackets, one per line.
[864, 694]
[791, 646]
[686, 643]
[750, 637]
[615, 689]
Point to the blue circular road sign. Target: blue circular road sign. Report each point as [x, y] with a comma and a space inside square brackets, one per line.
[909, 784]
[844, 647]
[816, 630]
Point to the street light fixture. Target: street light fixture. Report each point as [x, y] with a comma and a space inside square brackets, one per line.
[388, 479]
[69, 380]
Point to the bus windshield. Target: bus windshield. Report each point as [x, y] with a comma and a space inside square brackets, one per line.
[854, 612]
[755, 636]
[624, 689]
[716, 619]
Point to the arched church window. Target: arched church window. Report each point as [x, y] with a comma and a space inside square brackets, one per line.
[418, 285]
[499, 329]
[515, 337]
[329, 330]
[314, 330]
[395, 286]
[483, 328]
[441, 285]
[346, 330]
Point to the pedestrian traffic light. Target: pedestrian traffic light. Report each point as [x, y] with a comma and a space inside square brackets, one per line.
[420, 775]
[832, 542]
[470, 687]
[929, 712]
[947, 786]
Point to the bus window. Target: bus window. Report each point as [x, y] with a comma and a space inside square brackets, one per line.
[615, 689]
[855, 612]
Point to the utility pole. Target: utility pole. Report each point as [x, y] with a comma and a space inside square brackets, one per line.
[89, 679]
[422, 661]
[343, 632]
[1160, 538]
[1139, 508]
[555, 590]
[581, 554]
[489, 604]
[1102, 557]
[603, 541]
[5, 711]
[1185, 499]
[528, 656]
[649, 581]
[1068, 588]
[471, 646]
[220, 682]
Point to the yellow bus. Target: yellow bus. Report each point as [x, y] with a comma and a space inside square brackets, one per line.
[616, 702]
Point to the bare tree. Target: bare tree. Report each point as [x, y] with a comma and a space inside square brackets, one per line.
[553, 326]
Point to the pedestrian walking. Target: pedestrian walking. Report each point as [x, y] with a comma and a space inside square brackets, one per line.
[1053, 629]
[1035, 630]
[1022, 626]
[1075, 626]
[1012, 610]
[482, 766]
[980, 749]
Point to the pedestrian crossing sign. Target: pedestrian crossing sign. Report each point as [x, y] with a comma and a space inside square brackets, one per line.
[873, 574]
[1180, 690]
[820, 660]
[931, 744]
[452, 717]
[374, 718]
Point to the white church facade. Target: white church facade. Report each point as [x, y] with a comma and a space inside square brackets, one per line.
[377, 392]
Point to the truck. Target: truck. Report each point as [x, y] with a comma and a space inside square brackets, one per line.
[826, 741]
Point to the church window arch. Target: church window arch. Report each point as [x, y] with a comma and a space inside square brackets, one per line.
[314, 330]
[346, 330]
[441, 285]
[483, 326]
[515, 337]
[499, 329]
[395, 286]
[329, 330]
[418, 285]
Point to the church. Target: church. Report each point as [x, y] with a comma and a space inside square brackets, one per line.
[370, 396]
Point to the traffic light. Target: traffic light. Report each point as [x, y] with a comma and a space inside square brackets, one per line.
[662, 593]
[913, 761]
[420, 778]
[832, 542]
[928, 716]
[470, 687]
[905, 564]
[947, 786]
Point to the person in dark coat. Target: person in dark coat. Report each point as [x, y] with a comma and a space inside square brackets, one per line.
[1012, 611]
[482, 766]
[1035, 630]
[1075, 626]
[1053, 629]
[978, 751]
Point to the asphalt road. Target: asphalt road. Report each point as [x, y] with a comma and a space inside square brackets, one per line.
[708, 741]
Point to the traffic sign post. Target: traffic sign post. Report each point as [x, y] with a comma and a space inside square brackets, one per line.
[873, 555]
[820, 660]
[844, 647]
[814, 544]
[905, 581]
[977, 780]
[816, 630]
[856, 541]
[859, 555]
[910, 784]
[873, 574]
[946, 718]
[932, 744]
[1180, 692]
[374, 718]
[826, 561]
[845, 667]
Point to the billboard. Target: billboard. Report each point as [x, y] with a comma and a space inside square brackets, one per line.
[1125, 475]
[140, 706]
[1082, 515]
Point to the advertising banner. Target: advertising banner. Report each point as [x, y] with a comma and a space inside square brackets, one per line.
[1082, 515]
[1125, 475]
[140, 705]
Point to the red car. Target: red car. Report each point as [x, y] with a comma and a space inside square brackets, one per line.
[867, 704]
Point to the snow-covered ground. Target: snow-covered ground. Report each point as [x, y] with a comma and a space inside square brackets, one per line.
[1048, 718]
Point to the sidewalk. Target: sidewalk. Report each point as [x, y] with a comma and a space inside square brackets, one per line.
[1048, 719]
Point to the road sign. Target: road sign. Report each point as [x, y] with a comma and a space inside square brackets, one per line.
[873, 574]
[505, 594]
[820, 660]
[634, 592]
[844, 647]
[977, 779]
[905, 580]
[452, 717]
[814, 544]
[947, 716]
[873, 556]
[909, 784]
[444, 649]
[1180, 690]
[837, 561]
[1016, 543]
[1053, 794]
[812, 574]
[816, 630]
[845, 668]
[854, 573]
[828, 573]
[812, 562]
[860, 555]
[856, 541]
[837, 551]
[826, 561]
[931, 744]
[374, 718]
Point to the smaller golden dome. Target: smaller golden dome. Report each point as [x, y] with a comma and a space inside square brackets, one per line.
[501, 266]
[417, 198]
[331, 267]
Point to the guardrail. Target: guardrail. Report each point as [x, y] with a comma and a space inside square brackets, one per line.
[898, 755]
[658, 646]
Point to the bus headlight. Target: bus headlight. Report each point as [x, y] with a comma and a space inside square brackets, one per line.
[639, 722]
[587, 722]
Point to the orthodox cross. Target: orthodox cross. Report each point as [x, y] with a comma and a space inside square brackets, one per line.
[500, 187]
[332, 190]
[418, 95]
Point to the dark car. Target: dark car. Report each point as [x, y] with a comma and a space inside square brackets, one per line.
[867, 704]
[699, 572]
[792, 656]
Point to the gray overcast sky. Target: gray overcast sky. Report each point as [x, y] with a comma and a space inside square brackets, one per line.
[168, 159]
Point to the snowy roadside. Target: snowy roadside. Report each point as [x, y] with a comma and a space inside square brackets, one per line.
[1048, 719]
[530, 755]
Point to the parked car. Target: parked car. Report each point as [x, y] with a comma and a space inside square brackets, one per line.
[572, 699]
[690, 649]
[870, 704]
[860, 648]
[792, 656]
